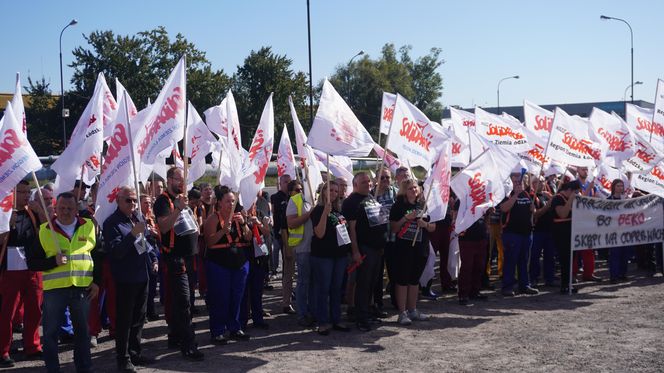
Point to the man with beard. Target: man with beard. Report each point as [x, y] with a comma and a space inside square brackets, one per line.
[179, 250]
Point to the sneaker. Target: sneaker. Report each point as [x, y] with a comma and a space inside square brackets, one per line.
[363, 326]
[404, 319]
[240, 336]
[529, 290]
[507, 293]
[142, 360]
[93, 341]
[193, 355]
[416, 315]
[126, 366]
[219, 340]
[288, 310]
[6, 362]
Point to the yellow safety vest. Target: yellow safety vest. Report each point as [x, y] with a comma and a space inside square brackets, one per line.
[295, 235]
[78, 269]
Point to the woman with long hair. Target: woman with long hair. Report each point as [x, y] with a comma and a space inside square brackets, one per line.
[330, 246]
[226, 236]
[411, 249]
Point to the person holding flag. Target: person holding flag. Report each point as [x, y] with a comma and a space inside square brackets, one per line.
[561, 229]
[132, 259]
[518, 210]
[179, 249]
[588, 188]
[19, 284]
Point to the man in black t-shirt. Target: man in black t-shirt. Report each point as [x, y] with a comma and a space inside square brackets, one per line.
[367, 223]
[279, 201]
[542, 240]
[518, 212]
[179, 250]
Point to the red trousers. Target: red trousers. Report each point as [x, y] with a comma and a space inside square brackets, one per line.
[107, 287]
[588, 257]
[14, 286]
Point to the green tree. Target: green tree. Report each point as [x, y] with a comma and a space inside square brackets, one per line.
[43, 121]
[264, 72]
[363, 82]
[142, 63]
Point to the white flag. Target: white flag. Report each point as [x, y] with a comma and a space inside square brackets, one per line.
[285, 159]
[651, 182]
[163, 124]
[538, 119]
[613, 137]
[17, 158]
[117, 168]
[119, 92]
[306, 154]
[645, 156]
[17, 105]
[233, 154]
[439, 184]
[200, 142]
[605, 176]
[387, 111]
[260, 154]
[392, 162]
[658, 117]
[463, 126]
[85, 145]
[481, 185]
[336, 130]
[640, 121]
[413, 137]
[340, 166]
[570, 141]
[535, 158]
[216, 119]
[501, 131]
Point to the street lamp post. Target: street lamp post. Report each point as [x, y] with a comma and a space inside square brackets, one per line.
[631, 85]
[62, 89]
[348, 75]
[498, 90]
[631, 38]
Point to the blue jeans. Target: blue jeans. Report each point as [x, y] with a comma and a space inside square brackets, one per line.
[253, 294]
[517, 248]
[542, 241]
[55, 303]
[618, 261]
[328, 275]
[304, 291]
[225, 292]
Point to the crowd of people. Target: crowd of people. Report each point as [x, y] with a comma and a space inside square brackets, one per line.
[74, 273]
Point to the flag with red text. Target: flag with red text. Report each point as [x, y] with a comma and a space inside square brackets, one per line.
[640, 121]
[570, 141]
[537, 119]
[117, 168]
[387, 111]
[437, 185]
[391, 161]
[501, 131]
[413, 137]
[652, 181]
[285, 159]
[260, 154]
[612, 136]
[336, 130]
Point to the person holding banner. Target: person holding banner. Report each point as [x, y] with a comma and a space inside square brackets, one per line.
[18, 283]
[71, 274]
[588, 188]
[367, 225]
[618, 256]
[169, 210]
[518, 210]
[542, 241]
[411, 249]
[132, 260]
[561, 229]
[329, 258]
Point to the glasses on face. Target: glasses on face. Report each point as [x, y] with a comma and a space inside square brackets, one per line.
[131, 200]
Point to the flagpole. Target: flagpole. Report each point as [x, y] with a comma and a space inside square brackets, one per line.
[470, 163]
[48, 217]
[426, 200]
[80, 186]
[186, 117]
[133, 168]
[382, 162]
[328, 178]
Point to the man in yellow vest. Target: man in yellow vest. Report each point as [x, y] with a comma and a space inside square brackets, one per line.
[300, 232]
[70, 279]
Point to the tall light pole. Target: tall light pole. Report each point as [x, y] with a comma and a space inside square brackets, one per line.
[498, 90]
[631, 85]
[631, 38]
[62, 89]
[348, 75]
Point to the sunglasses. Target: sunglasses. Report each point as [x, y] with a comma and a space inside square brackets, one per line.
[131, 200]
[385, 177]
